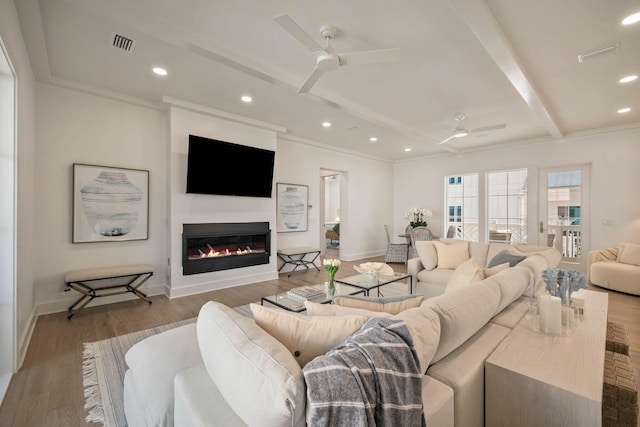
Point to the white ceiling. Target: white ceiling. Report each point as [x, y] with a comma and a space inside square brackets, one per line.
[500, 62]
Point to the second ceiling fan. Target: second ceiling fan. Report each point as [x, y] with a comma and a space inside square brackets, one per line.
[326, 58]
[461, 132]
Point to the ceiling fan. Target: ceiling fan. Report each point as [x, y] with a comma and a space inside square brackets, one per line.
[326, 58]
[461, 132]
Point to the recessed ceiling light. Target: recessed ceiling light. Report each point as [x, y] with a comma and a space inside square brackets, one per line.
[246, 98]
[407, 149]
[373, 139]
[631, 19]
[160, 71]
[628, 79]
[624, 110]
[326, 124]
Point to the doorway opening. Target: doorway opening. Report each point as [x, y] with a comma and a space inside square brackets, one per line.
[7, 222]
[565, 213]
[331, 212]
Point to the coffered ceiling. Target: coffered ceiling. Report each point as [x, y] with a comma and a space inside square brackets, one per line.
[511, 67]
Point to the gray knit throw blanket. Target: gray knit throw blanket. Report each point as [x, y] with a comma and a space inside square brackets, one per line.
[372, 379]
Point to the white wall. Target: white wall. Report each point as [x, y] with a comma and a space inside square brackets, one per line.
[26, 211]
[199, 208]
[75, 127]
[615, 175]
[366, 198]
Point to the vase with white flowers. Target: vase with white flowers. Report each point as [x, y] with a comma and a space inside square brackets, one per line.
[332, 266]
[417, 217]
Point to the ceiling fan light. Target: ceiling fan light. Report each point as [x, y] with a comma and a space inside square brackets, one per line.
[631, 19]
[460, 133]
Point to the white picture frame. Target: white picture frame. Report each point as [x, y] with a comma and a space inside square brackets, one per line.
[109, 204]
[292, 203]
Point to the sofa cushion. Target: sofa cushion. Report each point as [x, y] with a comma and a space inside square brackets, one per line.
[463, 371]
[451, 256]
[153, 362]
[247, 364]
[488, 272]
[511, 316]
[629, 254]
[512, 282]
[198, 402]
[424, 325]
[300, 332]
[317, 309]
[393, 305]
[505, 256]
[437, 402]
[427, 253]
[466, 273]
[462, 313]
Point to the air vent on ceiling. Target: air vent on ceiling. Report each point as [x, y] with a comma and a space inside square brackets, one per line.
[614, 47]
[122, 42]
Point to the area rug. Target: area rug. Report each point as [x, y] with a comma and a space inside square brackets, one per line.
[103, 369]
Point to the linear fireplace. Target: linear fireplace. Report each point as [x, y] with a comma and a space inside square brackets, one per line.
[222, 246]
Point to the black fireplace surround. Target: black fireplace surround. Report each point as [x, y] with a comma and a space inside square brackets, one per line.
[223, 246]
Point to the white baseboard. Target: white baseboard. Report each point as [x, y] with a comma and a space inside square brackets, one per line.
[199, 288]
[4, 385]
[25, 339]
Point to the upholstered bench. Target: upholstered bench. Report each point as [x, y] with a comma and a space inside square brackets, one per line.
[619, 391]
[91, 284]
[298, 258]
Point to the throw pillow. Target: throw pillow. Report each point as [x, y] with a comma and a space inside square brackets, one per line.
[305, 336]
[629, 254]
[466, 273]
[317, 309]
[505, 256]
[427, 253]
[451, 256]
[247, 364]
[488, 272]
[424, 325]
[393, 305]
[607, 255]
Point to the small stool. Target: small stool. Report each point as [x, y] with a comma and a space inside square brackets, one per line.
[619, 392]
[617, 338]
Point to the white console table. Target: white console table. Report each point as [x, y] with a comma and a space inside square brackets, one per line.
[533, 379]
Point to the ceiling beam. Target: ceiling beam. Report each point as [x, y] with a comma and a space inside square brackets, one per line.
[481, 21]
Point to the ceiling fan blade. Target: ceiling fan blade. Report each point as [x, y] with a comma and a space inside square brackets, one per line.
[311, 80]
[370, 56]
[446, 140]
[298, 33]
[488, 128]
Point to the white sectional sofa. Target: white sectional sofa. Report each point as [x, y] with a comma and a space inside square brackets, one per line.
[227, 370]
[430, 277]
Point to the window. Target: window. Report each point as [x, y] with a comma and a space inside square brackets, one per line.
[455, 213]
[462, 201]
[507, 203]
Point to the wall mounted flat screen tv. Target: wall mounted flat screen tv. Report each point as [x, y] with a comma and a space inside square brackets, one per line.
[224, 168]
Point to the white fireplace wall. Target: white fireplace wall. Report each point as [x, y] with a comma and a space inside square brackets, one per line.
[197, 208]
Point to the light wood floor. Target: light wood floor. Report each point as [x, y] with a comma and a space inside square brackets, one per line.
[47, 391]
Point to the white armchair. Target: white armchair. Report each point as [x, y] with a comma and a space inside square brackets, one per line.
[617, 269]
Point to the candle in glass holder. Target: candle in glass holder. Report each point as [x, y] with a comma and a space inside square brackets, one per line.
[550, 314]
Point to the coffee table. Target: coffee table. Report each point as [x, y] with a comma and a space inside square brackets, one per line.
[368, 281]
[282, 299]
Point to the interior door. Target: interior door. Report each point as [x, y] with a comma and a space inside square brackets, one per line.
[565, 207]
